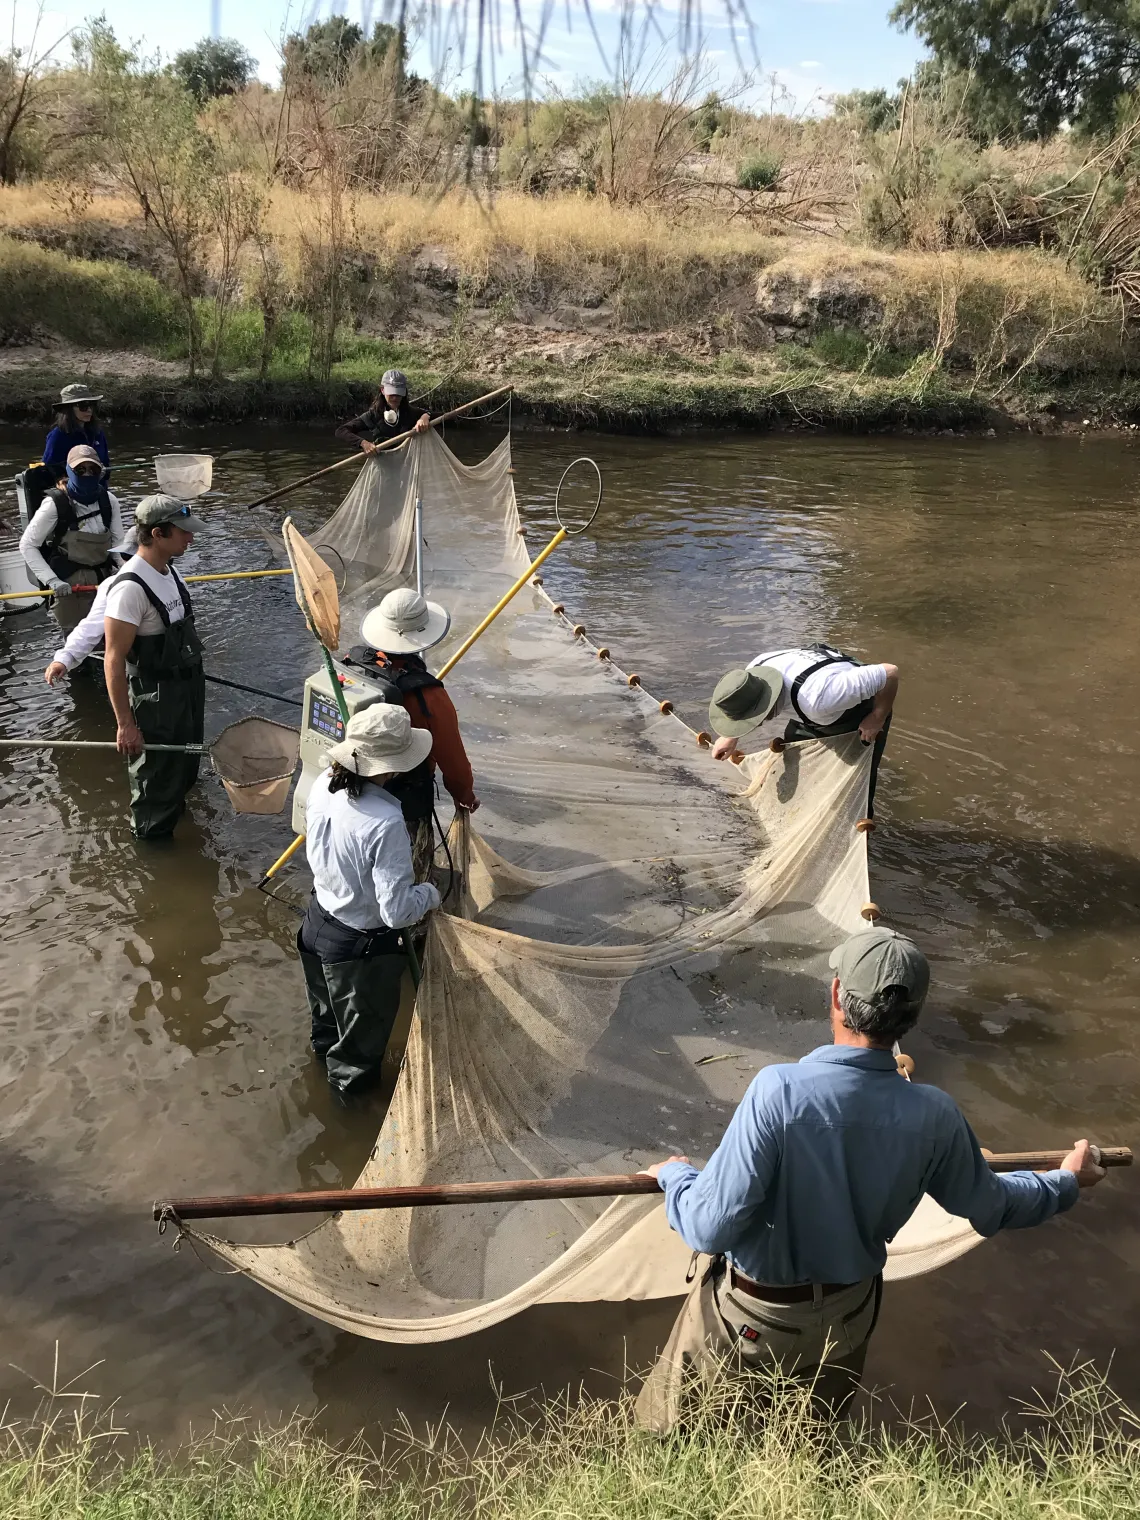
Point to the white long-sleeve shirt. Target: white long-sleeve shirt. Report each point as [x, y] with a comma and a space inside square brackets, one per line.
[44, 522]
[361, 858]
[85, 635]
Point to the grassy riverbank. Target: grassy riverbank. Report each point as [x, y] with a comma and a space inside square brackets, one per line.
[1079, 1455]
[600, 317]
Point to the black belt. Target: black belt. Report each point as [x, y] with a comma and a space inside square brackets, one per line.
[796, 1293]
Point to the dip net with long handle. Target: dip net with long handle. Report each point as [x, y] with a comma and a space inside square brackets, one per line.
[636, 931]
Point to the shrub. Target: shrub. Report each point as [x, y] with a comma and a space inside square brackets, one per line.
[759, 173]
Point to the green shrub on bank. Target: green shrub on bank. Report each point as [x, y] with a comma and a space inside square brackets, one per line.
[759, 173]
[584, 1460]
[86, 300]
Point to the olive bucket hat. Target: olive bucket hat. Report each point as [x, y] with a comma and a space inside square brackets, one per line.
[744, 698]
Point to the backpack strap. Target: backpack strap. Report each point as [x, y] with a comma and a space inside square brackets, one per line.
[829, 657]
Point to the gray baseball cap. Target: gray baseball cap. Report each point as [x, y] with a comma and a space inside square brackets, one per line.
[874, 959]
[153, 510]
[396, 381]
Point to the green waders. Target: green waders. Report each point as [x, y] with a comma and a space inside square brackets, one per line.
[168, 698]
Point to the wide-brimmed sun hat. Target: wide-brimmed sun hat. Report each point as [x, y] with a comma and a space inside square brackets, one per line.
[405, 623]
[78, 395]
[380, 739]
[744, 698]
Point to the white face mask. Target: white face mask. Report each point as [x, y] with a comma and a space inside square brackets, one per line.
[391, 417]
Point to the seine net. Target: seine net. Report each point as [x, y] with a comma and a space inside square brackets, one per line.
[637, 929]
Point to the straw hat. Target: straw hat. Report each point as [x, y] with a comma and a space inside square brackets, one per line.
[404, 623]
[380, 739]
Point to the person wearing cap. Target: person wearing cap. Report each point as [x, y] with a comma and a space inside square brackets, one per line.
[75, 422]
[396, 633]
[389, 415]
[70, 538]
[87, 637]
[364, 893]
[829, 692]
[152, 661]
[822, 1164]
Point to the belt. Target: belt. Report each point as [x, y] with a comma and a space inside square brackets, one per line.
[796, 1293]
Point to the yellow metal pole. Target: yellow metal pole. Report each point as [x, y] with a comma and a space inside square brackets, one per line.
[218, 575]
[499, 605]
[282, 859]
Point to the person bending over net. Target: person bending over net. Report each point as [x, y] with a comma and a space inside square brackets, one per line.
[829, 692]
[364, 893]
[821, 1165]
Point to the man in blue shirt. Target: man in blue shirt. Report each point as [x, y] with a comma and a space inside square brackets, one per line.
[820, 1167]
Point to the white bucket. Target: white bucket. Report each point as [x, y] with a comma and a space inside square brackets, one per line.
[184, 475]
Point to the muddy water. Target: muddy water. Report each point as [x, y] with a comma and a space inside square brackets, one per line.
[151, 1030]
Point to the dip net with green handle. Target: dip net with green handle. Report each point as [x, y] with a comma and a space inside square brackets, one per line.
[635, 930]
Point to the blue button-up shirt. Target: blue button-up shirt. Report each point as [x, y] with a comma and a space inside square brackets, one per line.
[825, 1161]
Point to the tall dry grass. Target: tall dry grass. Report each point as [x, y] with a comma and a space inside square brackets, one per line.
[1076, 1457]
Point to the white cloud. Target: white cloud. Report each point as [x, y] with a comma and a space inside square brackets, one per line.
[810, 63]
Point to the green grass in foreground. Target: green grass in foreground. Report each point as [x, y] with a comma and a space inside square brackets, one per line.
[1077, 1455]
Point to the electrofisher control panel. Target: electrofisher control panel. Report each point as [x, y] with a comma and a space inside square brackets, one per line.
[321, 725]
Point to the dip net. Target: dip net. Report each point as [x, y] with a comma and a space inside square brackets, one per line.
[633, 931]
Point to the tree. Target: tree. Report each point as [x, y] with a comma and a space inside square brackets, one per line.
[326, 51]
[21, 88]
[1033, 65]
[330, 49]
[215, 66]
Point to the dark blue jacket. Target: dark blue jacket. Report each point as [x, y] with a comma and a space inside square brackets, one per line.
[59, 444]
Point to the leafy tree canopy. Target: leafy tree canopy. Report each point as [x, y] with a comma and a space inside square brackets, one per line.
[330, 48]
[1034, 65]
[215, 66]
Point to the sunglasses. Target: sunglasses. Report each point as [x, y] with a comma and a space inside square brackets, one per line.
[88, 469]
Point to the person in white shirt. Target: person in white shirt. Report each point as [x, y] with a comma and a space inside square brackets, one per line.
[68, 541]
[152, 661]
[86, 637]
[828, 692]
[364, 893]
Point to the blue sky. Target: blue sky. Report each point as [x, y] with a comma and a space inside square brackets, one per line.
[813, 47]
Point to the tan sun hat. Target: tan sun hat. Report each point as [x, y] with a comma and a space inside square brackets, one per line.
[744, 698]
[404, 623]
[380, 739]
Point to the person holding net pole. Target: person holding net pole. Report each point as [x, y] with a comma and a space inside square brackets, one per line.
[822, 1164]
[364, 893]
[152, 662]
[390, 414]
[829, 693]
[396, 634]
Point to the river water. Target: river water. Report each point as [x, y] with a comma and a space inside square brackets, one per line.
[153, 1034]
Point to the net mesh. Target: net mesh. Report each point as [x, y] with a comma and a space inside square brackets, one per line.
[636, 930]
[314, 586]
[256, 758]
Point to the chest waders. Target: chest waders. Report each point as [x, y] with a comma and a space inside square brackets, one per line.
[78, 556]
[167, 689]
[847, 722]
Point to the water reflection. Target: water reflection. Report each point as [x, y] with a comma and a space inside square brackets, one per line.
[152, 1028]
